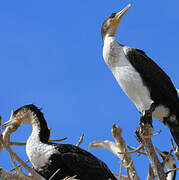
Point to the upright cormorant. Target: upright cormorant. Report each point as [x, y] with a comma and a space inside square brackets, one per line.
[48, 158]
[144, 82]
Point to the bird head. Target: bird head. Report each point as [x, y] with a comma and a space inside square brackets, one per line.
[110, 25]
[24, 115]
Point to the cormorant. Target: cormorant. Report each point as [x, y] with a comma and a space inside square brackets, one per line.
[144, 82]
[48, 158]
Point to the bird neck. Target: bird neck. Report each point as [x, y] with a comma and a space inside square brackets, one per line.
[37, 148]
[108, 37]
[40, 130]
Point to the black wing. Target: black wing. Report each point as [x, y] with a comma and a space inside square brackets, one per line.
[83, 163]
[72, 160]
[161, 88]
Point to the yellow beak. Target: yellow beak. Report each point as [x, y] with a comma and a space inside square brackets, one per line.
[119, 15]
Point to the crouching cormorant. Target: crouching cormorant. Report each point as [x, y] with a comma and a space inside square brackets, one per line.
[144, 82]
[48, 158]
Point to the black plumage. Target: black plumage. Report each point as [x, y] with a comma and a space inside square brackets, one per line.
[72, 160]
[161, 88]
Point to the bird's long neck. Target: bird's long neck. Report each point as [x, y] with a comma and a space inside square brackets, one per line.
[34, 117]
[109, 37]
[37, 148]
[40, 131]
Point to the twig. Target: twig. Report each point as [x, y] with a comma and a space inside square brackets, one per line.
[18, 166]
[17, 144]
[145, 130]
[156, 134]
[120, 172]
[133, 151]
[132, 148]
[58, 140]
[150, 175]
[80, 140]
[24, 143]
[176, 150]
[71, 178]
[172, 170]
[173, 146]
[54, 173]
[121, 177]
[166, 158]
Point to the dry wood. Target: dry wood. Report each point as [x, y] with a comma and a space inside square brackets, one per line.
[117, 147]
[145, 130]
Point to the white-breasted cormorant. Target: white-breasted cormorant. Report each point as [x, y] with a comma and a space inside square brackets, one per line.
[47, 158]
[144, 82]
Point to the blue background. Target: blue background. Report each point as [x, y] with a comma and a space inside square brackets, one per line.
[51, 55]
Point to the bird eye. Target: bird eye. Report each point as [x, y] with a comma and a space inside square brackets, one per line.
[112, 15]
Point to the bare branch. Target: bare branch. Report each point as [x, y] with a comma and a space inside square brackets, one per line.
[80, 140]
[166, 158]
[175, 149]
[71, 178]
[136, 149]
[172, 170]
[18, 166]
[116, 147]
[17, 143]
[24, 143]
[156, 134]
[58, 140]
[133, 151]
[145, 130]
[150, 175]
[120, 177]
[54, 174]
[120, 172]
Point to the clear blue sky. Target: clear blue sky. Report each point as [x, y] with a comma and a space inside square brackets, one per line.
[51, 55]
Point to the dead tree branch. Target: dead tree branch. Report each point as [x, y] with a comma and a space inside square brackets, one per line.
[80, 140]
[143, 133]
[117, 147]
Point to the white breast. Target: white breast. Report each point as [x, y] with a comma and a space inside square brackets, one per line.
[127, 77]
[38, 152]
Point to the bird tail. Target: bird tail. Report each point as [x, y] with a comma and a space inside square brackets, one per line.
[175, 133]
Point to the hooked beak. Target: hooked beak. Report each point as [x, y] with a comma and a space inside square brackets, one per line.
[7, 124]
[11, 121]
[120, 14]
